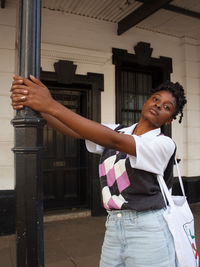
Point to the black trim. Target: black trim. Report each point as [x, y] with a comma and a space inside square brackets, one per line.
[191, 186]
[143, 52]
[7, 212]
[65, 71]
[160, 68]
[138, 15]
[122, 58]
[8, 201]
[3, 2]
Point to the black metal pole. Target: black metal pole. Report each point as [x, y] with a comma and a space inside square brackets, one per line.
[28, 126]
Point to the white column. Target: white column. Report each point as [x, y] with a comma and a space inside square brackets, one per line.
[191, 123]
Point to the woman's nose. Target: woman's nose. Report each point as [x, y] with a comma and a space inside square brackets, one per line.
[158, 105]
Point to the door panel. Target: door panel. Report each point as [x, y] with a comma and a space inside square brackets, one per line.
[64, 169]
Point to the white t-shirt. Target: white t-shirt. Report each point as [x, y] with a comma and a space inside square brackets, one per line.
[153, 150]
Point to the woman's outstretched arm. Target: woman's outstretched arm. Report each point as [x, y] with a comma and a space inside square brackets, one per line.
[59, 126]
[37, 96]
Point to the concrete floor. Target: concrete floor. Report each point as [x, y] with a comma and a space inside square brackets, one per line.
[67, 243]
[73, 242]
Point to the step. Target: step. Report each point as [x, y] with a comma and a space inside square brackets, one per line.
[62, 215]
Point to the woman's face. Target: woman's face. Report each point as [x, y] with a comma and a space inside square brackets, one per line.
[159, 108]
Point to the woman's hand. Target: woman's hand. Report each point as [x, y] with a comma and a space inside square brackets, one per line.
[31, 93]
[17, 80]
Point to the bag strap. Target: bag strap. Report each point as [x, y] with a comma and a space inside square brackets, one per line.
[164, 189]
[179, 178]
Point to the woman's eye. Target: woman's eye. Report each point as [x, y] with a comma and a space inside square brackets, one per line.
[155, 99]
[166, 107]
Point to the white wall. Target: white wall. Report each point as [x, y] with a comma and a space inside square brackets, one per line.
[88, 43]
[89, 36]
[79, 39]
[7, 67]
[191, 80]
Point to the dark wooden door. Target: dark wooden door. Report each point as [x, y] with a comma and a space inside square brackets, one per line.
[65, 159]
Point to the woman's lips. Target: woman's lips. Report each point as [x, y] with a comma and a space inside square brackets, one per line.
[154, 111]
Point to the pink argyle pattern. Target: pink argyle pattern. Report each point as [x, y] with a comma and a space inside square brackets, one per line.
[114, 172]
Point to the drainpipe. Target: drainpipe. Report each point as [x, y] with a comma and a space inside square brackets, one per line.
[28, 126]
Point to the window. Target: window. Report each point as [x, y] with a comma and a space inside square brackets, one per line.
[136, 74]
[135, 90]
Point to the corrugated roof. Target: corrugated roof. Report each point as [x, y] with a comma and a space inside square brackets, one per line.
[163, 21]
[108, 10]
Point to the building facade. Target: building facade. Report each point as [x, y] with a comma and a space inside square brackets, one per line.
[98, 74]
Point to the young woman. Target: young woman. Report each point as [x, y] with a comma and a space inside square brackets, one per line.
[131, 158]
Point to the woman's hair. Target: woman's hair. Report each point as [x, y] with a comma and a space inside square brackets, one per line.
[178, 92]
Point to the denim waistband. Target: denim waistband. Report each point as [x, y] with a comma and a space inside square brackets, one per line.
[130, 214]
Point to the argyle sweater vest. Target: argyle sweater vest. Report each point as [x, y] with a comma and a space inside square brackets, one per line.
[124, 187]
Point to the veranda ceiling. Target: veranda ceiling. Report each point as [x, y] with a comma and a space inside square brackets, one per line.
[184, 21]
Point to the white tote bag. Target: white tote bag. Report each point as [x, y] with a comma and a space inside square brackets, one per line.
[180, 221]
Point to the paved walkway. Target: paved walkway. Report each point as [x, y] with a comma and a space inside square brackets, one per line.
[72, 242]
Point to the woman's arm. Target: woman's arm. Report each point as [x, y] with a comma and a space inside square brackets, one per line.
[93, 131]
[59, 126]
[37, 97]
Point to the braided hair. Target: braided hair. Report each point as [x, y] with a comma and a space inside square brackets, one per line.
[178, 93]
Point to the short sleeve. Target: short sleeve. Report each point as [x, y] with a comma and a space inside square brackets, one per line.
[152, 155]
[95, 148]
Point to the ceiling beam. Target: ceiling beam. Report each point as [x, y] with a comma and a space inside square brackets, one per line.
[3, 3]
[178, 9]
[183, 11]
[141, 13]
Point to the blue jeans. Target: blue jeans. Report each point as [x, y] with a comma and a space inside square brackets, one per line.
[137, 239]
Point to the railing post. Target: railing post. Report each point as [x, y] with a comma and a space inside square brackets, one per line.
[28, 126]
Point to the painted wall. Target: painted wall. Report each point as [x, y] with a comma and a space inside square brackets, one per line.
[7, 68]
[88, 43]
[191, 80]
[87, 37]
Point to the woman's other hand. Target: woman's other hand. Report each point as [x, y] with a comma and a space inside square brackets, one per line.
[17, 80]
[31, 93]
